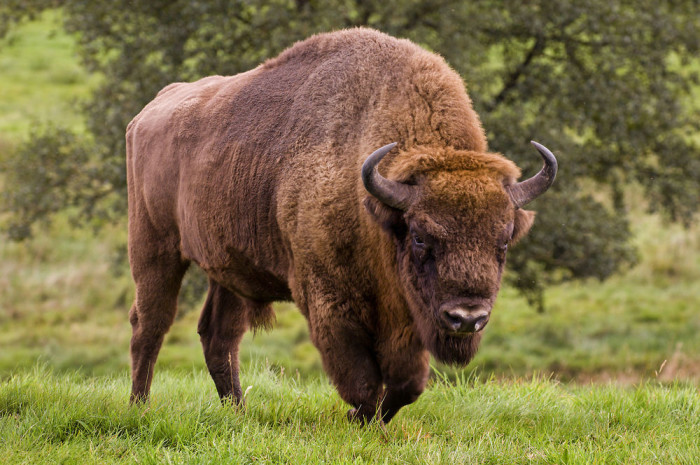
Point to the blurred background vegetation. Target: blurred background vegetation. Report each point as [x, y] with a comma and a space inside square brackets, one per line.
[610, 86]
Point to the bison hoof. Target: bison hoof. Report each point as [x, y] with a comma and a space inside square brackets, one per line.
[355, 416]
[361, 416]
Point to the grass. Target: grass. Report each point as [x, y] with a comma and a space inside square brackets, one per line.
[51, 418]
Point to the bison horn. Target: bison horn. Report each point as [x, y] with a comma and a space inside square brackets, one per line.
[525, 192]
[391, 193]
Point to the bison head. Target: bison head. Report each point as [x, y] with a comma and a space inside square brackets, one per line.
[452, 215]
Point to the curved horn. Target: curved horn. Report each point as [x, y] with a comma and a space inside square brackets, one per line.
[392, 193]
[525, 192]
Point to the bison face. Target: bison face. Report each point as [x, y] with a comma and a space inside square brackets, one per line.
[450, 252]
[451, 221]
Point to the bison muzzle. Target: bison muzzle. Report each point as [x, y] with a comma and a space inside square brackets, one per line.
[263, 180]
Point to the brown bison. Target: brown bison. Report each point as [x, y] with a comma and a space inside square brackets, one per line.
[263, 180]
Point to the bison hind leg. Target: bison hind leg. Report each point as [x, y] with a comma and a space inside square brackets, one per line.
[151, 315]
[224, 320]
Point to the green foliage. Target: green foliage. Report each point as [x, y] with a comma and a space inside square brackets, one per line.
[603, 83]
[566, 244]
[47, 418]
[47, 174]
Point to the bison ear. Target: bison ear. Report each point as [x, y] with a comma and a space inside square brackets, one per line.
[522, 224]
[390, 219]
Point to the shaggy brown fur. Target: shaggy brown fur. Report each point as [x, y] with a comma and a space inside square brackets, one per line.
[256, 178]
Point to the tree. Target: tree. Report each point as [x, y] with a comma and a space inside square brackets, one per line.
[602, 82]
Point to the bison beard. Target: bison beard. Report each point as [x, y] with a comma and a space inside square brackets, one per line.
[263, 180]
[446, 348]
[453, 350]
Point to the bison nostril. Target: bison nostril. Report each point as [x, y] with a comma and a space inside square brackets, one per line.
[462, 321]
[480, 322]
[453, 320]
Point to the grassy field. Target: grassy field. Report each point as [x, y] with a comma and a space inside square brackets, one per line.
[49, 418]
[609, 374]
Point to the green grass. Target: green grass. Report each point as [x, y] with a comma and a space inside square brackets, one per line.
[50, 418]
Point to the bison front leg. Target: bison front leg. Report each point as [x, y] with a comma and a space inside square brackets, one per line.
[376, 389]
[405, 367]
[222, 324]
[349, 360]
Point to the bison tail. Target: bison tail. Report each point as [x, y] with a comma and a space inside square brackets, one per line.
[261, 317]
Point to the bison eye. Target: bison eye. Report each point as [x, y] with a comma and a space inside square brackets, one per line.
[420, 248]
[418, 240]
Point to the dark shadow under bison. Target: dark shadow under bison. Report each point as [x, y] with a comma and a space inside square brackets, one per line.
[263, 180]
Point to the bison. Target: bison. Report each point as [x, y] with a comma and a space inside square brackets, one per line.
[263, 179]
